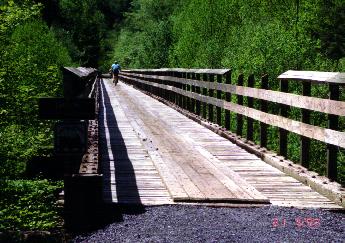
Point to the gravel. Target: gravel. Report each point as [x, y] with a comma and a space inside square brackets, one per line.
[180, 223]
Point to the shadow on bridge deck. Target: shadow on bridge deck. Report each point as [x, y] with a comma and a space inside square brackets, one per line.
[119, 172]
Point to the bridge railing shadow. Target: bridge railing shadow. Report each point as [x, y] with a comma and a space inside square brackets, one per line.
[116, 165]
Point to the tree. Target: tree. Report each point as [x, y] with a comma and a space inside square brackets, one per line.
[330, 29]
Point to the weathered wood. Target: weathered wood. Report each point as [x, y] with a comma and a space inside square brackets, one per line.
[193, 76]
[320, 77]
[263, 108]
[239, 118]
[322, 134]
[210, 106]
[182, 70]
[332, 151]
[185, 98]
[81, 72]
[219, 96]
[299, 101]
[188, 89]
[250, 105]
[198, 91]
[228, 99]
[305, 141]
[279, 188]
[283, 111]
[204, 92]
[201, 179]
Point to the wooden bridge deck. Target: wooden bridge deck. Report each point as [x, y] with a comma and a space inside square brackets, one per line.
[153, 155]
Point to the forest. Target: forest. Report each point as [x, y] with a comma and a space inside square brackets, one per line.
[38, 37]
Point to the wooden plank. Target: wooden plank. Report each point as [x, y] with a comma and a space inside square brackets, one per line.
[181, 153]
[81, 71]
[311, 103]
[261, 178]
[319, 77]
[126, 157]
[322, 134]
[182, 70]
[250, 122]
[332, 151]
[263, 108]
[283, 112]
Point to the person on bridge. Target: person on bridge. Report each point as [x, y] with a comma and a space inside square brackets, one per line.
[115, 69]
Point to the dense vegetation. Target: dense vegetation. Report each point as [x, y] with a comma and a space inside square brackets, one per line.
[38, 37]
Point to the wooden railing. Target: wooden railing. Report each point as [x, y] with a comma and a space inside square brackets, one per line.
[207, 93]
[76, 143]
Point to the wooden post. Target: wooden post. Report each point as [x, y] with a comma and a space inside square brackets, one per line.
[169, 92]
[251, 105]
[204, 91]
[305, 142]
[185, 104]
[228, 99]
[264, 108]
[187, 107]
[332, 150]
[211, 94]
[198, 91]
[219, 97]
[284, 87]
[239, 125]
[176, 86]
[193, 91]
[179, 75]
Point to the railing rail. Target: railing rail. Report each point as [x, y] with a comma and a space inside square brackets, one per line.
[197, 91]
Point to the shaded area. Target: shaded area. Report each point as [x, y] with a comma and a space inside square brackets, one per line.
[125, 180]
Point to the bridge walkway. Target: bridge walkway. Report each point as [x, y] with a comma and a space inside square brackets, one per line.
[153, 155]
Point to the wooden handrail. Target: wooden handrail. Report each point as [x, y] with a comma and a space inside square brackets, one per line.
[181, 83]
[181, 70]
[311, 103]
[313, 76]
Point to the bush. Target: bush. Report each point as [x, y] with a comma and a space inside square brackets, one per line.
[28, 205]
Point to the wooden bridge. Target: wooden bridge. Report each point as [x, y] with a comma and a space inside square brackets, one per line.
[162, 137]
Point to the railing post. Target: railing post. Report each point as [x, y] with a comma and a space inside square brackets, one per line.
[172, 93]
[211, 94]
[177, 85]
[228, 99]
[284, 87]
[250, 105]
[193, 91]
[180, 86]
[332, 150]
[239, 121]
[187, 107]
[305, 142]
[204, 92]
[264, 108]
[185, 100]
[219, 97]
[198, 91]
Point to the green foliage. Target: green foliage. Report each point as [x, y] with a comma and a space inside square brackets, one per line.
[31, 63]
[145, 38]
[19, 144]
[30, 68]
[28, 204]
[329, 29]
[86, 23]
[13, 15]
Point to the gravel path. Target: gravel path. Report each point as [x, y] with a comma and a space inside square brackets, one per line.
[206, 224]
